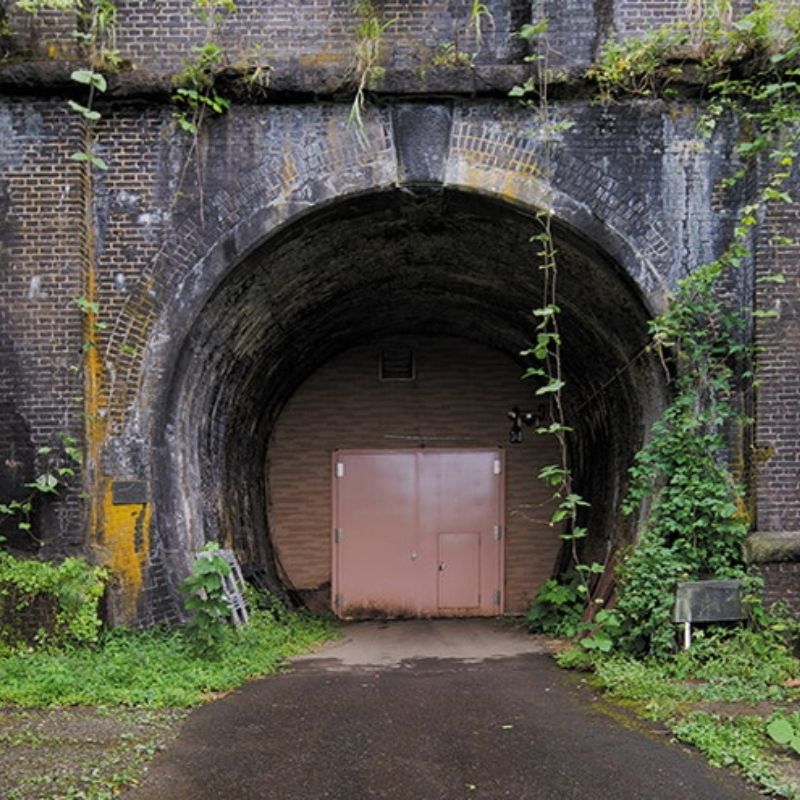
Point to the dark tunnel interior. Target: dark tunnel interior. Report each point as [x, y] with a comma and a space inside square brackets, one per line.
[428, 262]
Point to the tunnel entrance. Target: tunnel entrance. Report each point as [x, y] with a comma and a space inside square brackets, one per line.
[283, 366]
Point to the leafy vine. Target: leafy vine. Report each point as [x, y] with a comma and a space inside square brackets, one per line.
[696, 518]
[547, 348]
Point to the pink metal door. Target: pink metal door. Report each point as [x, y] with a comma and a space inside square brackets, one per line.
[461, 494]
[375, 534]
[417, 533]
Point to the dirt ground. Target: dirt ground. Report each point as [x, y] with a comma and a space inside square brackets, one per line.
[79, 753]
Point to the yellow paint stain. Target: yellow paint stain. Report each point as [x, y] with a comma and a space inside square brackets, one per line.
[126, 544]
[119, 534]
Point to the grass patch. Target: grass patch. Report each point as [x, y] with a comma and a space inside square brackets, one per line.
[720, 696]
[157, 668]
[736, 742]
[84, 722]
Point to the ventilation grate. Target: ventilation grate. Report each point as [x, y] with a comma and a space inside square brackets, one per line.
[396, 364]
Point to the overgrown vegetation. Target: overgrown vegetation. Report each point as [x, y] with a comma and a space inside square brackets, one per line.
[196, 93]
[693, 517]
[367, 70]
[156, 668]
[85, 721]
[62, 598]
[732, 696]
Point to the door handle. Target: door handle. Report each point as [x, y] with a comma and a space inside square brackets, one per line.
[442, 565]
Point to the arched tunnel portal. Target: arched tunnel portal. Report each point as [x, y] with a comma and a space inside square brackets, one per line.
[443, 272]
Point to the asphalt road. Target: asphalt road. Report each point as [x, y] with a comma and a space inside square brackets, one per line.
[358, 722]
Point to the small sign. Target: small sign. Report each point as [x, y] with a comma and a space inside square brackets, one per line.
[127, 493]
[708, 601]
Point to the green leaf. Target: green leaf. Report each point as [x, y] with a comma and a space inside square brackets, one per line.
[781, 731]
[46, 483]
[551, 387]
[546, 311]
[88, 113]
[89, 77]
[98, 162]
[532, 30]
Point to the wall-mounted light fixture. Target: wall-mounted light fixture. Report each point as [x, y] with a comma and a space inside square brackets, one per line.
[519, 418]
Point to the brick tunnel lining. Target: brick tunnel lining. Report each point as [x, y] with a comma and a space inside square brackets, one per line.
[430, 262]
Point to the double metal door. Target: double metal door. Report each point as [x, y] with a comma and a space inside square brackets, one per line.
[418, 533]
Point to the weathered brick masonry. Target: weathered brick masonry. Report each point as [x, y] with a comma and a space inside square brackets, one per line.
[228, 276]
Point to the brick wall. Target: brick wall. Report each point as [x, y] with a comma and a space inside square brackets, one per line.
[777, 428]
[40, 278]
[163, 243]
[321, 34]
[459, 399]
[318, 34]
[782, 584]
[634, 17]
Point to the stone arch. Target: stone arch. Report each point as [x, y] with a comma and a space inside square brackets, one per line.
[471, 161]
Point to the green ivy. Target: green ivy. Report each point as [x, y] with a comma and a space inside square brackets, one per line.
[73, 588]
[693, 517]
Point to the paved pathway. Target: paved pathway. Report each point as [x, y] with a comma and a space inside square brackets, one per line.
[424, 710]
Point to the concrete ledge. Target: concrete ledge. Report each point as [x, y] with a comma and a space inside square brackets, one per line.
[289, 82]
[769, 547]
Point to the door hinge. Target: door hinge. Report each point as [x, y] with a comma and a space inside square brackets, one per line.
[498, 466]
[338, 600]
[497, 532]
[496, 597]
[338, 535]
[340, 469]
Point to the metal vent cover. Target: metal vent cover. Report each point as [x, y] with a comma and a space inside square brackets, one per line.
[396, 364]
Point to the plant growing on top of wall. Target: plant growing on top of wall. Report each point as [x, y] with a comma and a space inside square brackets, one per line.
[195, 92]
[696, 519]
[96, 27]
[713, 44]
[367, 70]
[98, 21]
[479, 17]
